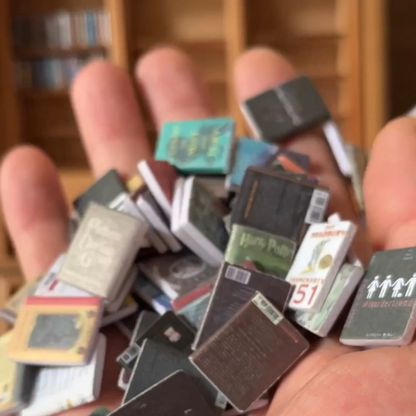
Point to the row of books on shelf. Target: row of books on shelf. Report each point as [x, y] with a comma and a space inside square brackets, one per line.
[63, 30]
[50, 73]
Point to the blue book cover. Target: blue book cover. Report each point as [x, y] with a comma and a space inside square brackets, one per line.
[198, 146]
[249, 152]
[91, 28]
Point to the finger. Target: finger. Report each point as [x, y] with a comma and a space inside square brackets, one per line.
[172, 88]
[256, 72]
[109, 119]
[34, 209]
[390, 187]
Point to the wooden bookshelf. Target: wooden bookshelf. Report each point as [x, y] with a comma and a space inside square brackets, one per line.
[338, 43]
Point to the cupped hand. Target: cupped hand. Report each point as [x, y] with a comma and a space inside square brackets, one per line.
[333, 380]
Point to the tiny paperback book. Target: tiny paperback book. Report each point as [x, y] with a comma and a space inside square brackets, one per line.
[317, 263]
[269, 253]
[102, 251]
[248, 153]
[62, 388]
[197, 146]
[16, 381]
[176, 395]
[250, 353]
[345, 283]
[384, 309]
[234, 287]
[178, 274]
[271, 202]
[56, 331]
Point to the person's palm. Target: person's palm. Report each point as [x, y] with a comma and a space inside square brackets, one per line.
[333, 380]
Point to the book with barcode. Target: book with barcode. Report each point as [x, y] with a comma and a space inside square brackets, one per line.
[278, 205]
[160, 178]
[58, 389]
[151, 294]
[252, 351]
[234, 287]
[285, 111]
[383, 312]
[158, 220]
[248, 152]
[176, 395]
[199, 222]
[269, 253]
[158, 361]
[56, 331]
[11, 309]
[128, 308]
[197, 146]
[317, 263]
[102, 251]
[345, 283]
[16, 381]
[178, 274]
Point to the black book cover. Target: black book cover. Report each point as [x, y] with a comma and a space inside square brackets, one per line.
[278, 205]
[234, 287]
[102, 192]
[176, 395]
[383, 312]
[156, 362]
[145, 321]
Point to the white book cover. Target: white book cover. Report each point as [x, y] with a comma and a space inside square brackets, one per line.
[317, 263]
[118, 301]
[61, 388]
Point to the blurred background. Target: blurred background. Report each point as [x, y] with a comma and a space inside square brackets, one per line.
[359, 53]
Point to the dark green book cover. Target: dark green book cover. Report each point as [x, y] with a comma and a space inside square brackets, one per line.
[270, 254]
[383, 312]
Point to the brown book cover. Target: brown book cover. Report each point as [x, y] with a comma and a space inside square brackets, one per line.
[56, 331]
[250, 353]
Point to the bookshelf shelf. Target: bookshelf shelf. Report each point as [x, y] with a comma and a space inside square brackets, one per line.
[187, 44]
[38, 53]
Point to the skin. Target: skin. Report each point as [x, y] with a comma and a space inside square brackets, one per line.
[333, 380]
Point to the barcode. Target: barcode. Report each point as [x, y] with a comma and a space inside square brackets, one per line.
[267, 308]
[221, 401]
[131, 353]
[238, 275]
[317, 207]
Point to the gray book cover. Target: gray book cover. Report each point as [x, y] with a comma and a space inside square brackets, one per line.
[383, 312]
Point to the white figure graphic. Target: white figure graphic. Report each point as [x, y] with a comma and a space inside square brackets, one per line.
[411, 283]
[398, 284]
[372, 287]
[387, 283]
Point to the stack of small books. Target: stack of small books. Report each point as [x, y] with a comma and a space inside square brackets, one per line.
[218, 261]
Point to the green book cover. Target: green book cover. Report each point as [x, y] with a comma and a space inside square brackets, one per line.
[270, 253]
[206, 214]
[198, 146]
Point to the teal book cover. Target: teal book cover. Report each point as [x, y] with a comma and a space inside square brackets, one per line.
[198, 146]
[248, 153]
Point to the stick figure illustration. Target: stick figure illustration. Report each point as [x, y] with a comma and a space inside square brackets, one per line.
[398, 284]
[385, 285]
[372, 287]
[411, 283]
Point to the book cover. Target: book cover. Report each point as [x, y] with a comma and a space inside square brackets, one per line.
[123, 380]
[383, 312]
[56, 331]
[269, 253]
[317, 263]
[176, 395]
[178, 274]
[102, 251]
[126, 325]
[156, 362]
[215, 185]
[285, 111]
[144, 322]
[250, 353]
[194, 312]
[16, 381]
[197, 146]
[58, 389]
[128, 308]
[343, 287]
[276, 204]
[160, 178]
[249, 152]
[234, 287]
